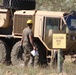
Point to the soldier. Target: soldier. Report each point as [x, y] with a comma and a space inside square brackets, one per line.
[27, 43]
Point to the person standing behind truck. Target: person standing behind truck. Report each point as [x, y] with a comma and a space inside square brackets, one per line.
[28, 43]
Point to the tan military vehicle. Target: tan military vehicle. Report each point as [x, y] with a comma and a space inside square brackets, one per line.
[45, 24]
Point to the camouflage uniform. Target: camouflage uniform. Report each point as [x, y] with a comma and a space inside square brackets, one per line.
[27, 46]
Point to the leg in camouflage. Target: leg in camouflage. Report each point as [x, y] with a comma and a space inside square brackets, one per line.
[28, 58]
[36, 59]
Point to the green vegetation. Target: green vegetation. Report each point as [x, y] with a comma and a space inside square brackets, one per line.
[0, 2]
[56, 5]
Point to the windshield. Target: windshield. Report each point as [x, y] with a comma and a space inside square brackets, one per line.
[52, 23]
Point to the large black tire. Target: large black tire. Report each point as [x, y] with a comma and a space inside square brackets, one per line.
[17, 54]
[19, 4]
[42, 61]
[3, 52]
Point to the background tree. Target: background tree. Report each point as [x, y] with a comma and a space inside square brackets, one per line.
[54, 5]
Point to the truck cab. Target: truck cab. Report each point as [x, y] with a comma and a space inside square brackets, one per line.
[47, 23]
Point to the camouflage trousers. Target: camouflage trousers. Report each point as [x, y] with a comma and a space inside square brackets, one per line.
[29, 60]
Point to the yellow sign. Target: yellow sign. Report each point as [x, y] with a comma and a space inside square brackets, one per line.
[59, 41]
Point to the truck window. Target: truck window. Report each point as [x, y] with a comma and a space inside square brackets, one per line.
[52, 23]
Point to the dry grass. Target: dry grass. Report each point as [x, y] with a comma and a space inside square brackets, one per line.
[68, 69]
[4, 70]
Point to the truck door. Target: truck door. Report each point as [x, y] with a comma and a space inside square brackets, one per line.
[51, 25]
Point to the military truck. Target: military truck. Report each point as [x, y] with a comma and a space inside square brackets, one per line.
[45, 23]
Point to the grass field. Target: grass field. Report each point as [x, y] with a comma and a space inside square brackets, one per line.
[68, 69]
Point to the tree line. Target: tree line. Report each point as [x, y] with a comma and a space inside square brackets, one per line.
[54, 5]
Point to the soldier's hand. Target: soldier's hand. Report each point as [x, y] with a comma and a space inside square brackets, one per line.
[34, 47]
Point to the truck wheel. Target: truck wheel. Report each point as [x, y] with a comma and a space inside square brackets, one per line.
[17, 54]
[2, 52]
[42, 60]
[19, 4]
